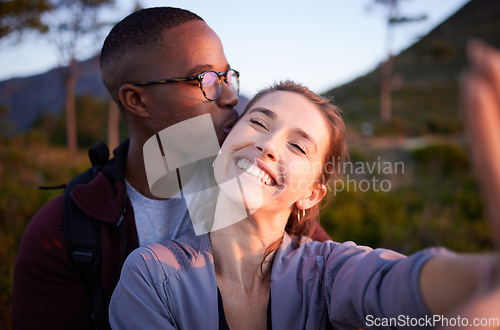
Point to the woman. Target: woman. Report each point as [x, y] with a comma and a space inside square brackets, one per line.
[259, 272]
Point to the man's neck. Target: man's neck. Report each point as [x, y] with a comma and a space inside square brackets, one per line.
[135, 172]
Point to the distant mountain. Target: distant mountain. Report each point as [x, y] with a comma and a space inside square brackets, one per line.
[27, 99]
[426, 77]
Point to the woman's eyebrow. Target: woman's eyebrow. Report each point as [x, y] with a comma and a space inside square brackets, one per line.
[307, 137]
[271, 114]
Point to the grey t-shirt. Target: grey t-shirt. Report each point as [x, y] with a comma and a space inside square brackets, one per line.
[159, 220]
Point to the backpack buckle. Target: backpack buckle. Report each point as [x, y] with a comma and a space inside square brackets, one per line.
[83, 258]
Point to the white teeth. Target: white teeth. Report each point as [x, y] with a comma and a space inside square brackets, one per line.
[255, 171]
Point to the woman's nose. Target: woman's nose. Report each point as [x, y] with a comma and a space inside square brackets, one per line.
[268, 150]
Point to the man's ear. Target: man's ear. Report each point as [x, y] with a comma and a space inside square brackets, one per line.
[317, 194]
[131, 98]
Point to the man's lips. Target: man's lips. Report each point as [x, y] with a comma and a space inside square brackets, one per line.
[228, 125]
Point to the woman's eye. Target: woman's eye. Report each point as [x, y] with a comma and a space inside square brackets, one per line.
[299, 148]
[258, 123]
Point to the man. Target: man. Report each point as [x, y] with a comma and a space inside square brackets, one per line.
[152, 44]
[139, 61]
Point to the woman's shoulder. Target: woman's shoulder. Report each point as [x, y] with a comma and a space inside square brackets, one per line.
[172, 256]
[306, 247]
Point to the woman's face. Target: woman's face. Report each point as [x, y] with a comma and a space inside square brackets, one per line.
[276, 150]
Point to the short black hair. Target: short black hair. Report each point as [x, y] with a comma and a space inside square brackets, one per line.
[142, 29]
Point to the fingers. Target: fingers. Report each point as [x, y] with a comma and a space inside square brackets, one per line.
[484, 60]
[481, 102]
[480, 313]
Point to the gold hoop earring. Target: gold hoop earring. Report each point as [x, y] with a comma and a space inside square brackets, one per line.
[300, 216]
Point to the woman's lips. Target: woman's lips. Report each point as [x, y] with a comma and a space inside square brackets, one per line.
[255, 171]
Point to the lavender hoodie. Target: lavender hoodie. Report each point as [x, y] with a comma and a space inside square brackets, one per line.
[314, 285]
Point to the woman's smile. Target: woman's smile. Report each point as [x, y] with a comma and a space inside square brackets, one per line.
[256, 171]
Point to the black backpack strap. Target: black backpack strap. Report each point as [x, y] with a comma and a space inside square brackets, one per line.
[83, 238]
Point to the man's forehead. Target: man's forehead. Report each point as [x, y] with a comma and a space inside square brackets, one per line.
[196, 33]
[192, 48]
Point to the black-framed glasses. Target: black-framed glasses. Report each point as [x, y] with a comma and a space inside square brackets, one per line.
[210, 82]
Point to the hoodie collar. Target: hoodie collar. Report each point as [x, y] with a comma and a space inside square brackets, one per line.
[104, 197]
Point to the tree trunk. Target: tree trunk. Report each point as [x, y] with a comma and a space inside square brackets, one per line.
[70, 86]
[113, 125]
[385, 90]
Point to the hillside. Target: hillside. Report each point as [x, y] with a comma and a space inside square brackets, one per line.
[27, 99]
[426, 100]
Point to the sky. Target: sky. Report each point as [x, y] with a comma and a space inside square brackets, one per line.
[320, 43]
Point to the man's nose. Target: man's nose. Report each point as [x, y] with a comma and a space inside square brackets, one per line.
[227, 98]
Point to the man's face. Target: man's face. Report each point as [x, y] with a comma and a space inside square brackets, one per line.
[188, 49]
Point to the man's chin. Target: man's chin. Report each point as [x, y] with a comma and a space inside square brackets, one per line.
[221, 136]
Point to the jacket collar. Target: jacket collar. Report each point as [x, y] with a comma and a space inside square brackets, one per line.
[115, 168]
[104, 197]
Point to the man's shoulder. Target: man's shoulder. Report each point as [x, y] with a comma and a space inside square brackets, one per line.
[44, 232]
[48, 222]
[48, 219]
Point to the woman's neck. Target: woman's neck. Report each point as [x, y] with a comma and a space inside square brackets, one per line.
[239, 248]
[239, 241]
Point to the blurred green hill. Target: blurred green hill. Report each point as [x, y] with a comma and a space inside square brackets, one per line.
[426, 77]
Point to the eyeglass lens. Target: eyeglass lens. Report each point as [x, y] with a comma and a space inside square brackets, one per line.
[232, 80]
[212, 86]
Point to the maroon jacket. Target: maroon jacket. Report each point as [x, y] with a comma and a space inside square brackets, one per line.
[48, 293]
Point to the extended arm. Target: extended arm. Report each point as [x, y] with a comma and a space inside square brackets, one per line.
[448, 283]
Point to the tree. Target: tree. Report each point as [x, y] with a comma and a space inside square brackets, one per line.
[114, 112]
[394, 18]
[20, 15]
[71, 23]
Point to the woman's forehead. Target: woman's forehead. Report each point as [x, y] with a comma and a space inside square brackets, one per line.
[290, 107]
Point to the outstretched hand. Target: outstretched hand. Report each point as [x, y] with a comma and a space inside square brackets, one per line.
[481, 105]
[480, 100]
